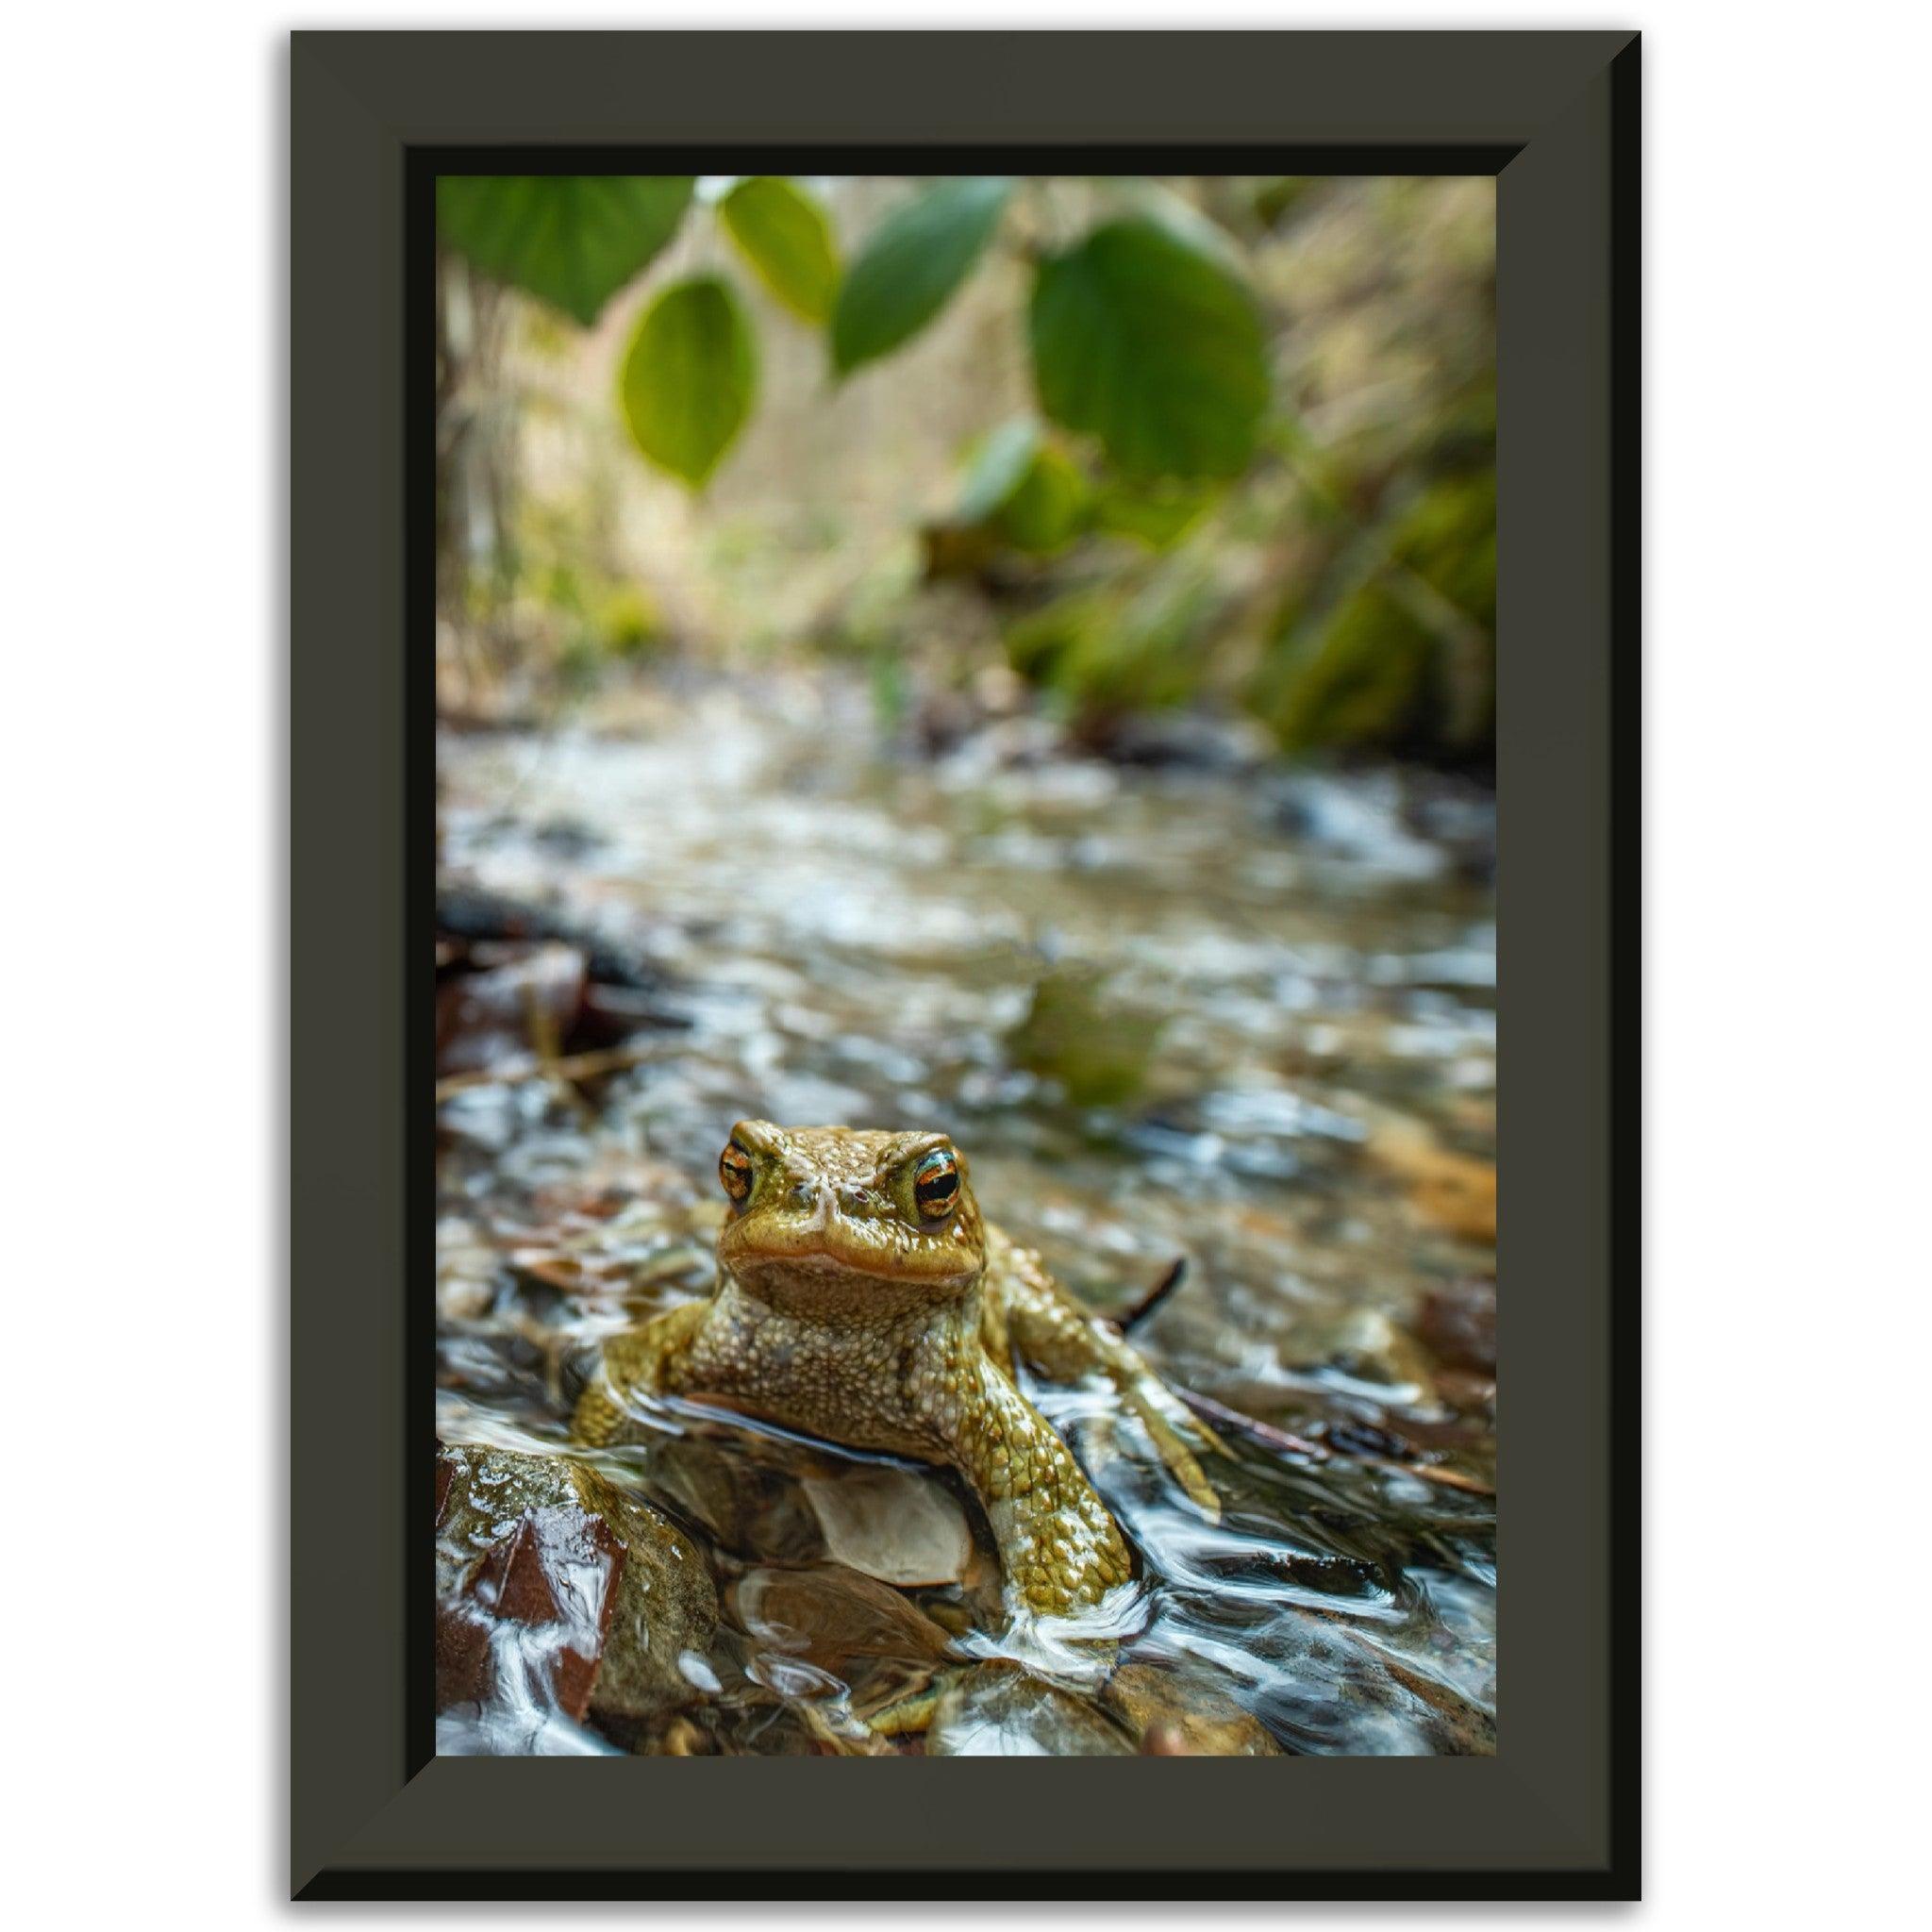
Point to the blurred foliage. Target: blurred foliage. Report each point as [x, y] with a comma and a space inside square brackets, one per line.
[1145, 336]
[1385, 632]
[690, 376]
[905, 273]
[1133, 643]
[576, 617]
[571, 239]
[1254, 468]
[1391, 638]
[1143, 331]
[787, 237]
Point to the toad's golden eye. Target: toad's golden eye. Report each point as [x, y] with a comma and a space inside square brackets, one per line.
[935, 1184]
[734, 1170]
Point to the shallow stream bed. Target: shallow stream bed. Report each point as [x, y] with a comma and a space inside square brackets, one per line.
[1222, 1014]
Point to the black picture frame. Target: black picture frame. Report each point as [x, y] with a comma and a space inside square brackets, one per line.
[1555, 1814]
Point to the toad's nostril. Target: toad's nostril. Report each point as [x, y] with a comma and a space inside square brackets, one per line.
[804, 1194]
[852, 1199]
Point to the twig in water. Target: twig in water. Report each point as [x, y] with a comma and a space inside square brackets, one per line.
[1300, 1446]
[1129, 1319]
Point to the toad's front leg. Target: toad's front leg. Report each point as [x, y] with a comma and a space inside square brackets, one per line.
[654, 1359]
[1043, 1327]
[1059, 1549]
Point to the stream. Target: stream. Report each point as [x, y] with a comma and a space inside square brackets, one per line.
[1200, 1008]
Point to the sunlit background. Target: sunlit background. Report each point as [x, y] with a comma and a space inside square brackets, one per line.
[1247, 467]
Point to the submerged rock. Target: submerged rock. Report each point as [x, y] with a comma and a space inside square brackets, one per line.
[1458, 1322]
[1177, 1716]
[830, 1616]
[996, 1710]
[754, 1507]
[1330, 1688]
[896, 1525]
[556, 1591]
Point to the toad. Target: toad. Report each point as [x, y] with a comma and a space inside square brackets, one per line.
[861, 1298]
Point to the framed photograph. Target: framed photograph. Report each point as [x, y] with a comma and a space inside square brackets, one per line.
[963, 703]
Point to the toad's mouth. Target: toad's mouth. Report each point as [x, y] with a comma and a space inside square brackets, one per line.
[822, 1259]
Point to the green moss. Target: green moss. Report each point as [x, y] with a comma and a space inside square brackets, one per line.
[1391, 643]
[1138, 646]
[1074, 1033]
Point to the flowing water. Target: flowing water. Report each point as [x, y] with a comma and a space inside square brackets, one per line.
[1220, 1013]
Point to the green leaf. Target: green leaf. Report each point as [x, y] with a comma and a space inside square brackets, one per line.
[574, 240]
[1145, 336]
[999, 466]
[919, 255]
[787, 238]
[1049, 508]
[1022, 489]
[690, 376]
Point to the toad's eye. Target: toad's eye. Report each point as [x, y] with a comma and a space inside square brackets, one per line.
[935, 1184]
[734, 1170]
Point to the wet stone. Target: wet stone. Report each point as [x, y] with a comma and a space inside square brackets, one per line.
[1364, 1345]
[556, 1591]
[757, 1510]
[996, 1710]
[1176, 1715]
[466, 1272]
[1458, 1322]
